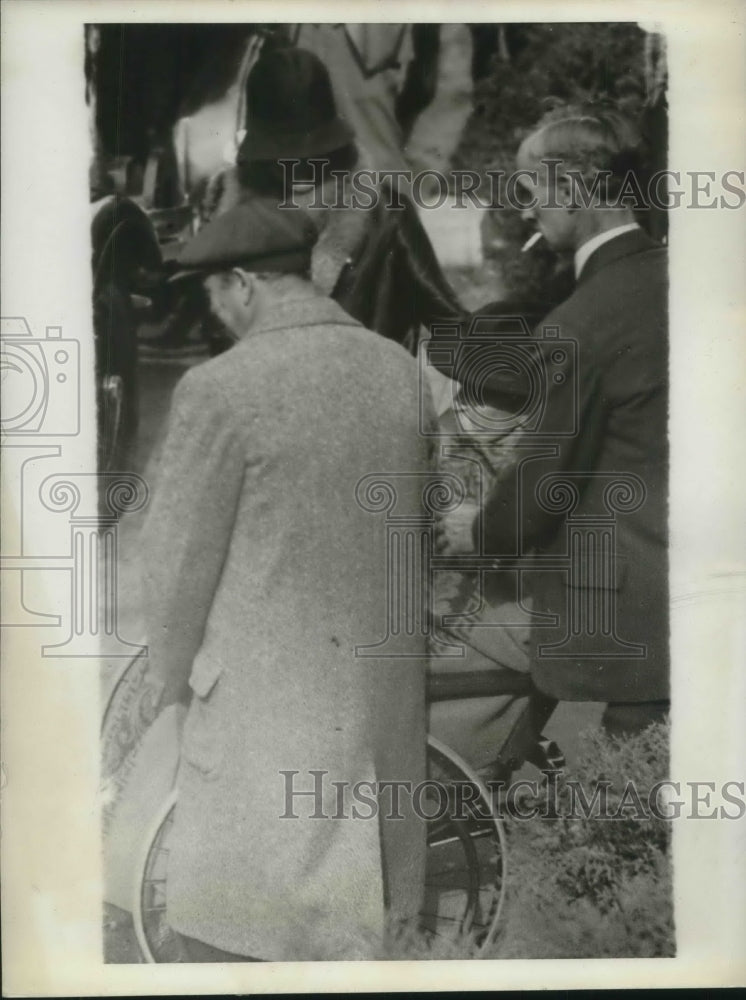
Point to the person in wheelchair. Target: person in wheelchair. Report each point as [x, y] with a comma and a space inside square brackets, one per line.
[257, 595]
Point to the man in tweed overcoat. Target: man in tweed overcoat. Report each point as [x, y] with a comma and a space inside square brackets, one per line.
[263, 575]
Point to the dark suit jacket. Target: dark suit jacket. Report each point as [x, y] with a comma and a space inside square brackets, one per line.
[605, 631]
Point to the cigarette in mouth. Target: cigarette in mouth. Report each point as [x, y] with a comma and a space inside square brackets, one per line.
[531, 242]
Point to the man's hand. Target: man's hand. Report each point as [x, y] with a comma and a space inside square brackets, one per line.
[453, 533]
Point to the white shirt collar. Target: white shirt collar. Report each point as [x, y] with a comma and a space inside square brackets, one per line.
[583, 252]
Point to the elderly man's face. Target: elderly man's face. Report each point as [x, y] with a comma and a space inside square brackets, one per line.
[231, 300]
[556, 223]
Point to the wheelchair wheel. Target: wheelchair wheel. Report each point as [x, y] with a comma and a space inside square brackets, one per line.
[465, 866]
[464, 874]
[156, 939]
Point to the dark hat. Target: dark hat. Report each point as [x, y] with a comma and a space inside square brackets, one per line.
[256, 235]
[290, 109]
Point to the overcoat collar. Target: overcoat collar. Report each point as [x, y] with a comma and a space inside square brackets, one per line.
[311, 310]
[633, 242]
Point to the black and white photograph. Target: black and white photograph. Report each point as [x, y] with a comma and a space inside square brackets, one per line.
[370, 533]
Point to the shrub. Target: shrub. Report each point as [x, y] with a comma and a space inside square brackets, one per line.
[592, 887]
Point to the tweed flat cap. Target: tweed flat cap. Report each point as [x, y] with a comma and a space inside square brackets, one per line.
[255, 235]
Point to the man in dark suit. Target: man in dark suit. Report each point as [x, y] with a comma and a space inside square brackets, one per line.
[589, 500]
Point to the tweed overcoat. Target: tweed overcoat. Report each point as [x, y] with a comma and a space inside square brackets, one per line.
[591, 490]
[264, 575]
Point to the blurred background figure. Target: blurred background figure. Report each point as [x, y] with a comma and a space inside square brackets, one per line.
[383, 76]
[377, 262]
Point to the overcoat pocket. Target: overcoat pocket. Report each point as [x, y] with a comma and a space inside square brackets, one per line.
[204, 729]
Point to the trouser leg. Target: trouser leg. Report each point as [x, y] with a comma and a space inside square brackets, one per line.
[622, 718]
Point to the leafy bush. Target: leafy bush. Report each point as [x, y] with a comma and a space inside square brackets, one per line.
[555, 64]
[593, 887]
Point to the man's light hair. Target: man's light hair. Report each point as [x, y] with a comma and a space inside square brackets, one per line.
[589, 142]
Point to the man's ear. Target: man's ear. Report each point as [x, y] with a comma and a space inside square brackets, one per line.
[566, 193]
[246, 283]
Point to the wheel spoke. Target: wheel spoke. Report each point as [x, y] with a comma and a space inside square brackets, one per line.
[442, 916]
[444, 871]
